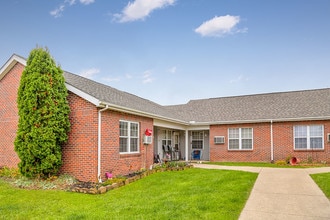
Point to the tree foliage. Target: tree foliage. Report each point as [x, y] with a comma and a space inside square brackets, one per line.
[43, 116]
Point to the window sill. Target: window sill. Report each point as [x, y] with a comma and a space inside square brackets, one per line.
[239, 150]
[308, 150]
[126, 155]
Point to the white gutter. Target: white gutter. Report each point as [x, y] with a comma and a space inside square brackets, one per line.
[271, 142]
[99, 132]
[261, 121]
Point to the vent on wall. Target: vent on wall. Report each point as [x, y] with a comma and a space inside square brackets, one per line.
[328, 135]
[147, 139]
[219, 139]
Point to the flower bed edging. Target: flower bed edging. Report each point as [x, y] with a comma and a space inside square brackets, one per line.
[99, 189]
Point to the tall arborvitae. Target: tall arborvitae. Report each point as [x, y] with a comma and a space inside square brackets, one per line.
[43, 116]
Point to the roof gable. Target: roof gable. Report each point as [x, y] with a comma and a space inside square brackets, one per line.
[10, 63]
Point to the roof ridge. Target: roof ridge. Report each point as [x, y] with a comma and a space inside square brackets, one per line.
[260, 94]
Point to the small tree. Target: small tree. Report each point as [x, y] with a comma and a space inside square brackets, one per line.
[43, 116]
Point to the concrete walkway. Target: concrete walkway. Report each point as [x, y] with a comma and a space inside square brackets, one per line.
[283, 193]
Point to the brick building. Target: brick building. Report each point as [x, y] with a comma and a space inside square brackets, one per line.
[108, 127]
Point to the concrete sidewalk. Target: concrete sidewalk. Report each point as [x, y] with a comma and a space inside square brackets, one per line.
[281, 193]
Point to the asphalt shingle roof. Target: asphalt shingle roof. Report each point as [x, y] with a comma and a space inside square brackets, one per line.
[114, 96]
[272, 106]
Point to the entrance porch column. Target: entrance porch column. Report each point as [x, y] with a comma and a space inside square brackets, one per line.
[186, 145]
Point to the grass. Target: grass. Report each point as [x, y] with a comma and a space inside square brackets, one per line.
[323, 180]
[264, 164]
[189, 194]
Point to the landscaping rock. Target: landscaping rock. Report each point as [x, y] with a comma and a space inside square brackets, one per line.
[102, 190]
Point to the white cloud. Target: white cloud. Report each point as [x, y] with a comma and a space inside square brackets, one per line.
[57, 12]
[147, 77]
[87, 2]
[239, 79]
[220, 26]
[89, 73]
[139, 9]
[172, 69]
[70, 2]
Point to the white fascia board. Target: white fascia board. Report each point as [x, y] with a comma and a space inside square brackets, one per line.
[140, 113]
[10, 63]
[198, 127]
[82, 94]
[167, 124]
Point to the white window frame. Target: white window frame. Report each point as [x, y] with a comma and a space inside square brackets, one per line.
[200, 137]
[308, 137]
[129, 137]
[240, 139]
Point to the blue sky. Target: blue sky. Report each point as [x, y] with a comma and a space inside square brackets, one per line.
[172, 51]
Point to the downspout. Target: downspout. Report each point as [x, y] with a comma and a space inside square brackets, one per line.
[186, 145]
[271, 142]
[99, 133]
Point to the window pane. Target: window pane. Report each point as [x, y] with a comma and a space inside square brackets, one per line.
[300, 131]
[123, 128]
[197, 135]
[134, 144]
[169, 135]
[316, 143]
[316, 131]
[233, 132]
[123, 145]
[246, 144]
[197, 144]
[134, 130]
[301, 143]
[233, 144]
[246, 133]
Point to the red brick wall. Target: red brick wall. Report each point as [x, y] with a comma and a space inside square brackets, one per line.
[80, 152]
[9, 115]
[112, 160]
[282, 141]
[261, 144]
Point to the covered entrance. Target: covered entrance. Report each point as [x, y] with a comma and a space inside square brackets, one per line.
[174, 144]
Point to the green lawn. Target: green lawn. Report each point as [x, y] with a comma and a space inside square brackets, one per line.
[323, 180]
[189, 194]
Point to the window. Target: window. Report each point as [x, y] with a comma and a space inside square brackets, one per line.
[240, 138]
[197, 140]
[167, 138]
[308, 137]
[128, 137]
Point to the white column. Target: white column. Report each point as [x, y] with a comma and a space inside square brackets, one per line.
[187, 145]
